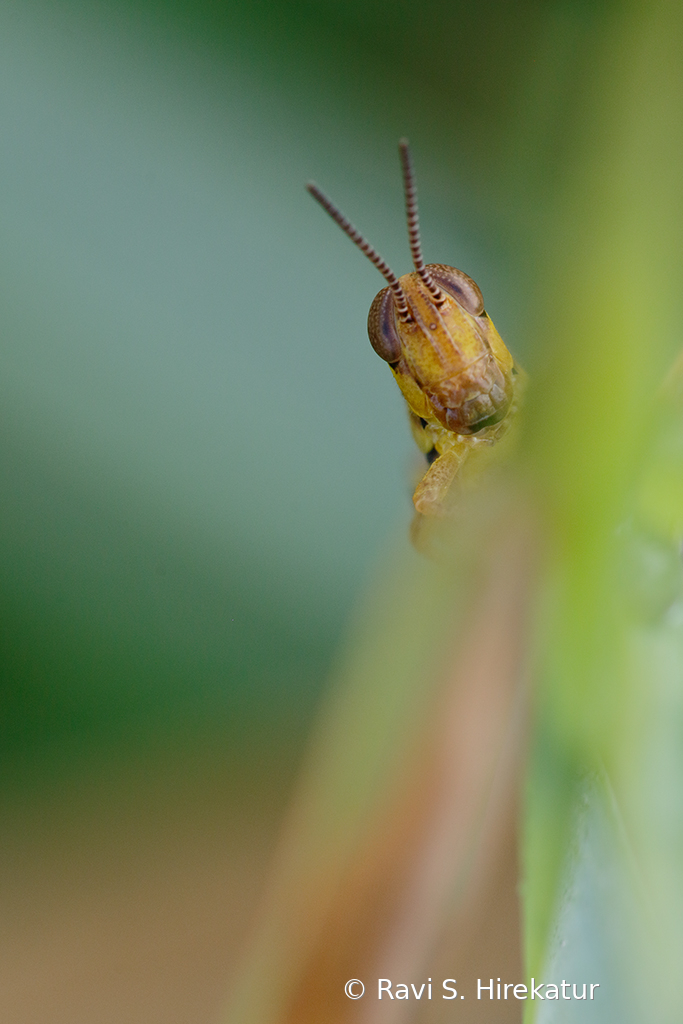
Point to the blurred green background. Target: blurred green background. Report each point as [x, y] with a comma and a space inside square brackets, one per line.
[202, 455]
[203, 460]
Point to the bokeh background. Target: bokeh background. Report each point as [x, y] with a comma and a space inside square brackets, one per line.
[204, 463]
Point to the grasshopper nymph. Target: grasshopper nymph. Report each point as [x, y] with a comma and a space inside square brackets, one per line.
[454, 371]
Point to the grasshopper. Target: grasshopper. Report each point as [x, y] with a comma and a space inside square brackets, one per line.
[458, 378]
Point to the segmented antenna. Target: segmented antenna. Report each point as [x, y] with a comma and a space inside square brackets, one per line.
[413, 219]
[365, 247]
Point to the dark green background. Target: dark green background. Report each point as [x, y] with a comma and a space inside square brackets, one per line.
[201, 455]
[204, 464]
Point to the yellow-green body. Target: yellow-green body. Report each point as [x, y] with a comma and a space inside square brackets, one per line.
[454, 371]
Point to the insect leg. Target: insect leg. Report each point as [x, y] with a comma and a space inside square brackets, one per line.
[430, 494]
[422, 435]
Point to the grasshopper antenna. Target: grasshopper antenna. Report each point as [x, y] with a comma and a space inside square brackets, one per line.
[412, 216]
[364, 246]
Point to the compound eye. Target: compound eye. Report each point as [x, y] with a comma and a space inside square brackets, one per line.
[382, 327]
[458, 285]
